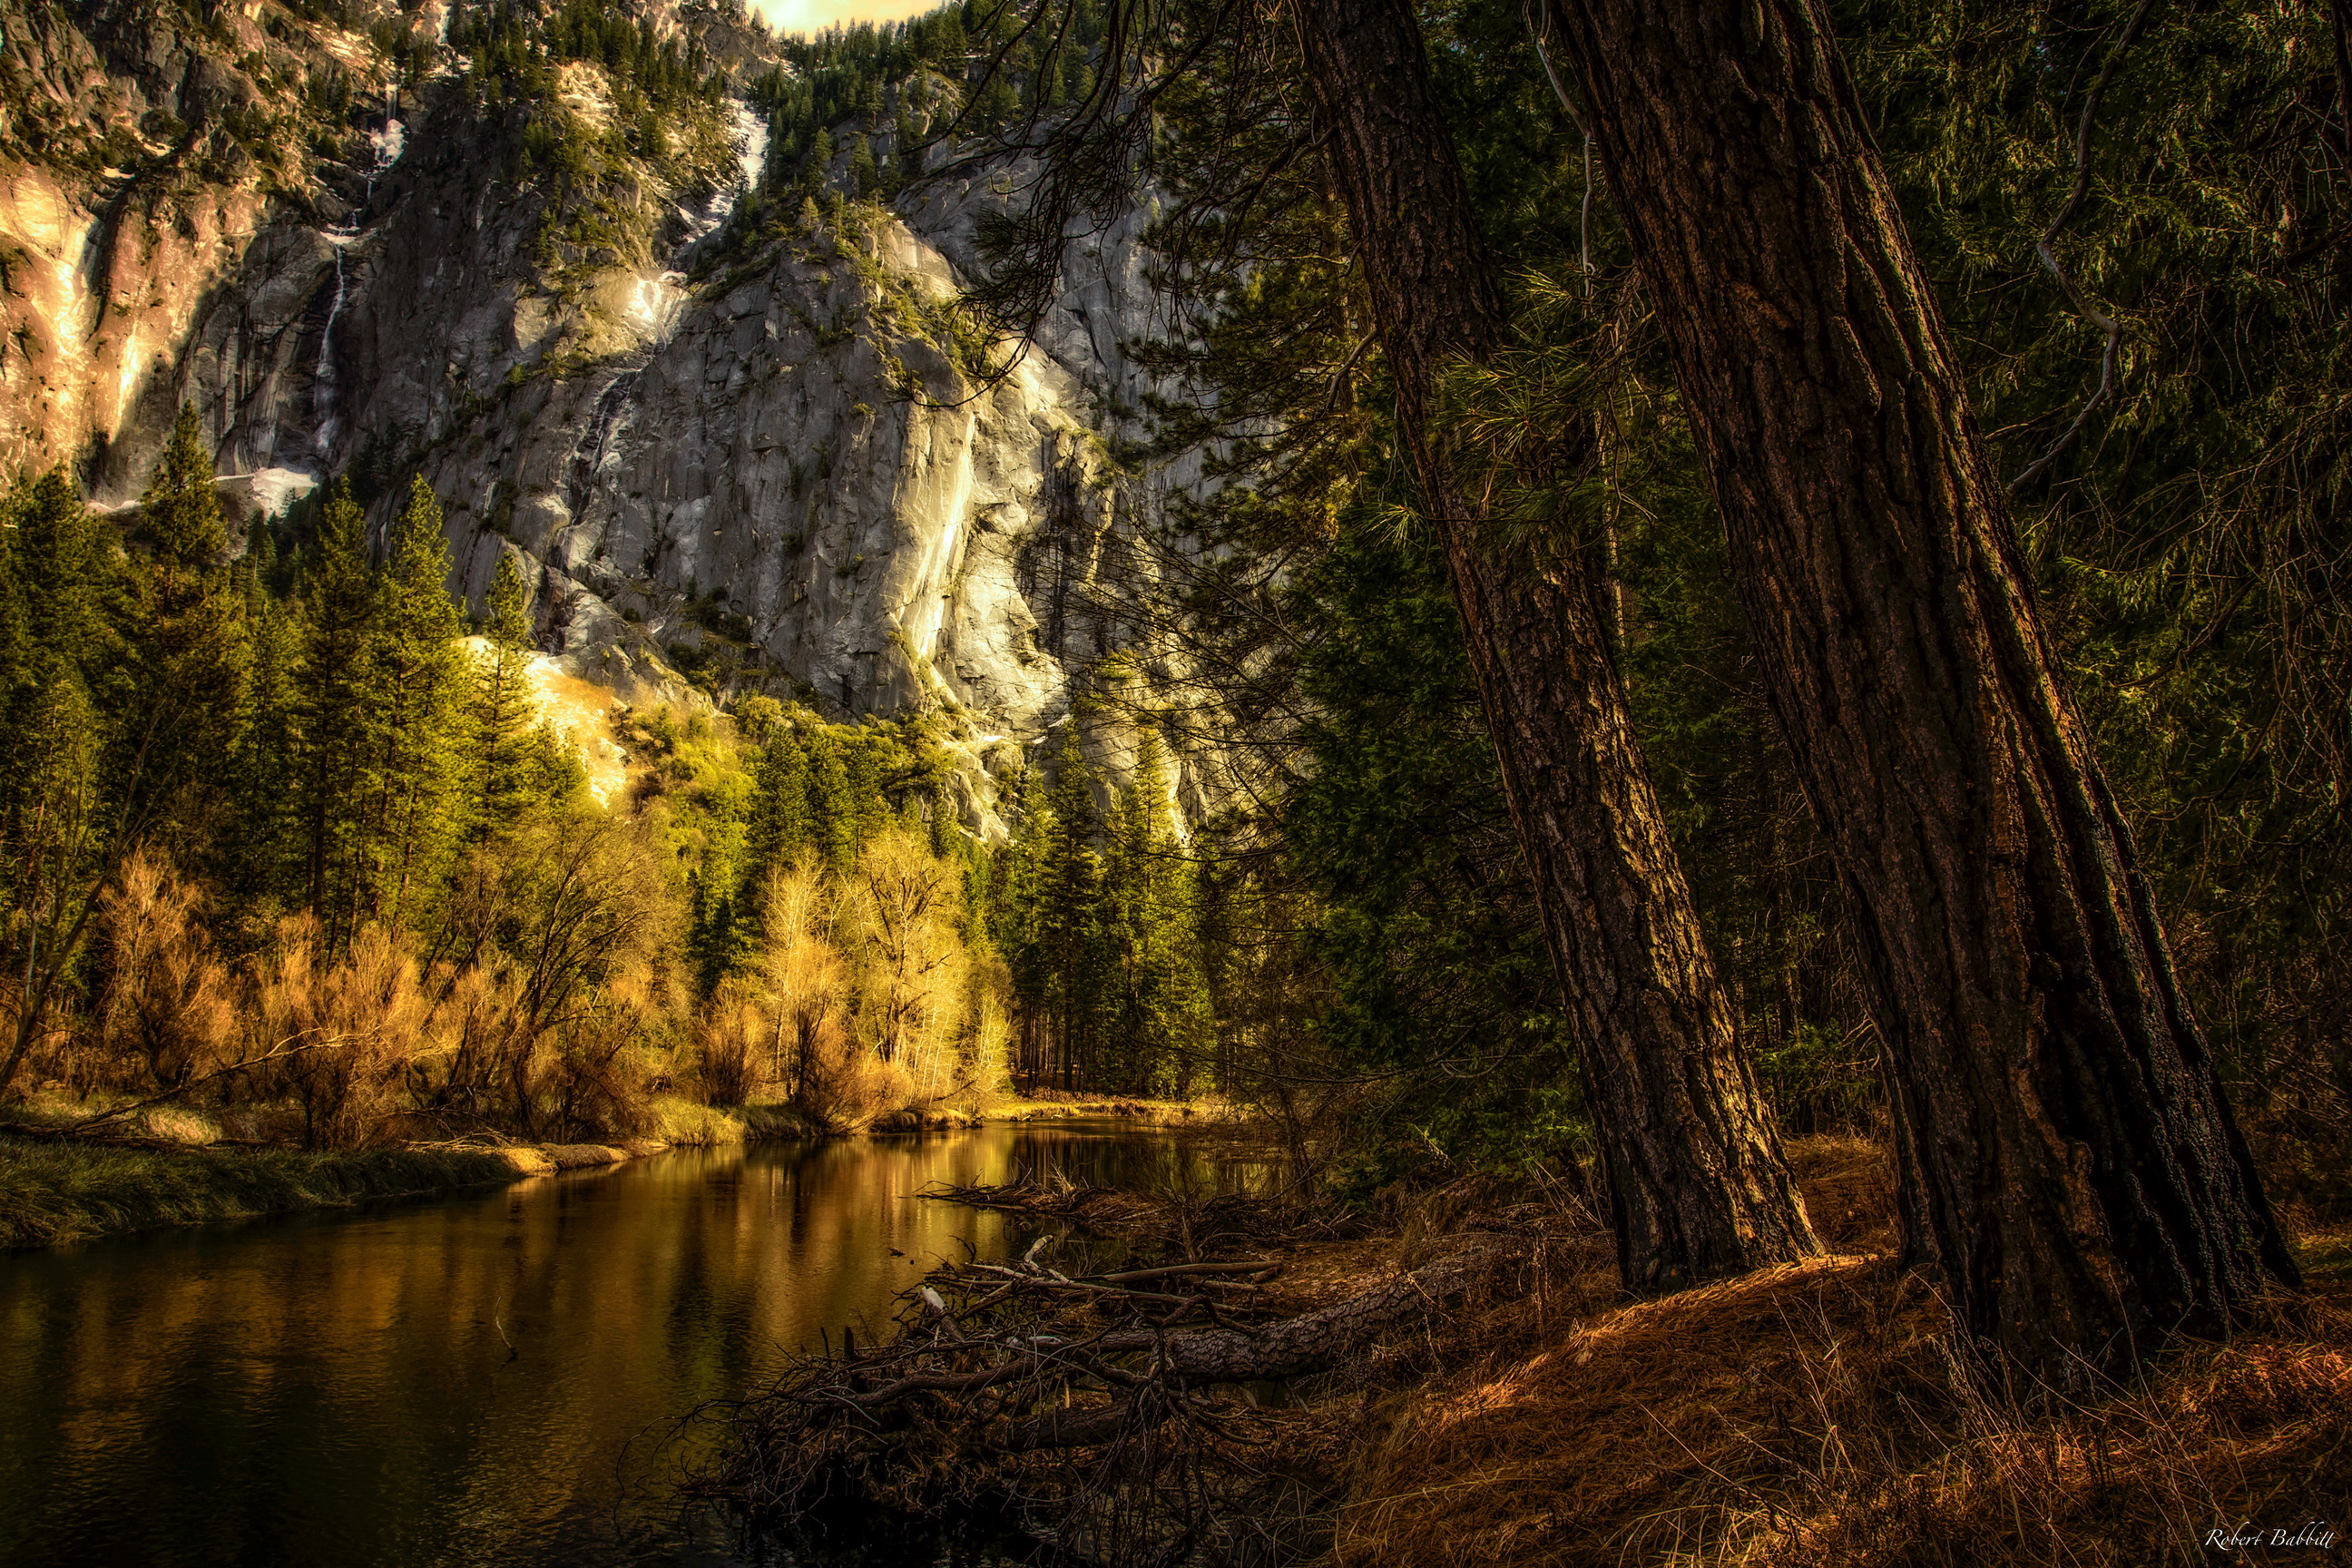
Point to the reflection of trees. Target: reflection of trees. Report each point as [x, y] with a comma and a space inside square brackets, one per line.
[359, 1358]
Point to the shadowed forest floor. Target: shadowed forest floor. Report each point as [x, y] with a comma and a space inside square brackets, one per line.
[1528, 1414]
[1812, 1415]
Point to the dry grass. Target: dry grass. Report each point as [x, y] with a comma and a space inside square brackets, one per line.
[582, 1156]
[1809, 1416]
[60, 1192]
[683, 1123]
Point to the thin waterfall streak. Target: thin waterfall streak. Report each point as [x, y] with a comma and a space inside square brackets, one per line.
[322, 397]
[385, 148]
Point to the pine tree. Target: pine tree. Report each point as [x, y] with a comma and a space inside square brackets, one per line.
[1156, 1015]
[940, 819]
[907, 138]
[416, 671]
[181, 512]
[781, 821]
[1018, 921]
[721, 936]
[256, 569]
[832, 806]
[1131, 1043]
[57, 567]
[501, 715]
[18, 665]
[266, 858]
[814, 176]
[190, 654]
[862, 762]
[1698, 1184]
[54, 844]
[1069, 917]
[335, 742]
[2065, 1154]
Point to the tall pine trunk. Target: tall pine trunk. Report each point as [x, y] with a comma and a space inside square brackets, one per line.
[1696, 1180]
[2066, 1158]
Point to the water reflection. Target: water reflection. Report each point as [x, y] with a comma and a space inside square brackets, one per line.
[460, 1382]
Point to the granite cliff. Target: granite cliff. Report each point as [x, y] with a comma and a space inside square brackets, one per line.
[728, 414]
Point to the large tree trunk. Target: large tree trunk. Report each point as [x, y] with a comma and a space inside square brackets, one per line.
[1695, 1175]
[2066, 1156]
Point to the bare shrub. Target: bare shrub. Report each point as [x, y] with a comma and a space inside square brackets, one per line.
[808, 988]
[598, 1082]
[542, 1014]
[353, 1025]
[484, 1060]
[844, 1085]
[54, 1056]
[168, 1004]
[901, 919]
[573, 904]
[729, 1035]
[987, 1066]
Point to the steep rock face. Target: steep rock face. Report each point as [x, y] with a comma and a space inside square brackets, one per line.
[144, 173]
[741, 448]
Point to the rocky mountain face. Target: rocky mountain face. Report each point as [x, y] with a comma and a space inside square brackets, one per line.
[738, 435]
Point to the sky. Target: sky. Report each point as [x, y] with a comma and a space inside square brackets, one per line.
[808, 16]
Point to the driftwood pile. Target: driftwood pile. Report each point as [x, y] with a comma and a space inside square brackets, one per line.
[1139, 1414]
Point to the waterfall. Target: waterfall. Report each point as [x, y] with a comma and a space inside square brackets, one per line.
[752, 132]
[385, 148]
[750, 138]
[657, 300]
[595, 448]
[322, 387]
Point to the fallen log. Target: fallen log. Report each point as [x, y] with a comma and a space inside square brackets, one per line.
[1043, 1349]
[1262, 1266]
[1109, 1409]
[1315, 1341]
[1229, 1219]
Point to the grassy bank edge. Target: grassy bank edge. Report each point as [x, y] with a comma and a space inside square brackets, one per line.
[52, 1192]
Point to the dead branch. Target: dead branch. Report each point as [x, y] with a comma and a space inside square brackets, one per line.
[1260, 1265]
[1107, 1412]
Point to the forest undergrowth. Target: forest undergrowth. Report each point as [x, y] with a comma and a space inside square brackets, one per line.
[1463, 1380]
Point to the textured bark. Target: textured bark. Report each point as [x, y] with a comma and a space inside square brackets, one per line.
[1696, 1180]
[2066, 1156]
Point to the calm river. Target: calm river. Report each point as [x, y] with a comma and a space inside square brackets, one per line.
[339, 1389]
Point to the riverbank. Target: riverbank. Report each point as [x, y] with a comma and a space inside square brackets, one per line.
[493, 1376]
[53, 1191]
[56, 1190]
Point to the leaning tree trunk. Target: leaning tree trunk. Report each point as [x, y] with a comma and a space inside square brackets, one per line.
[2066, 1156]
[1696, 1180]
